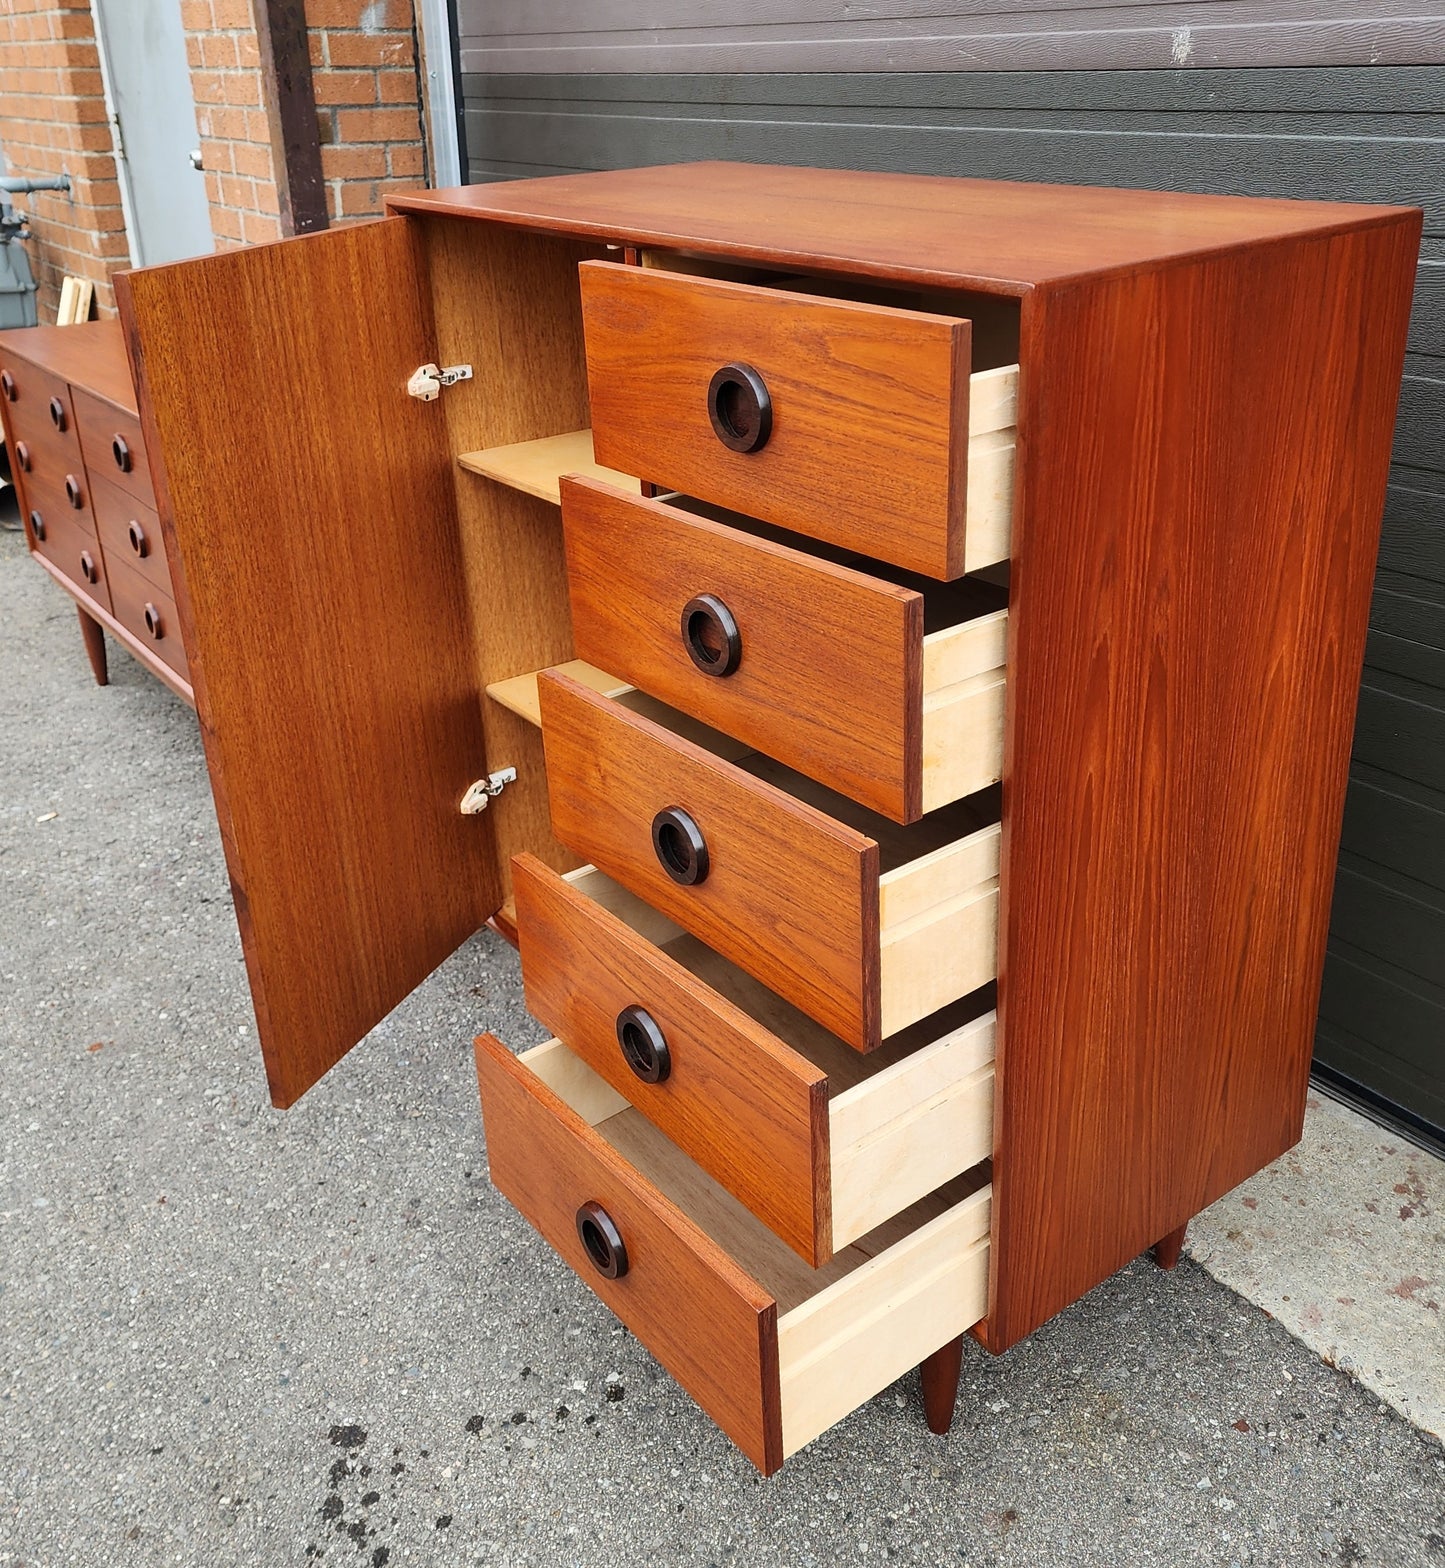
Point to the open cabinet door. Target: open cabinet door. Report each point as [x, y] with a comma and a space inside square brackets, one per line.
[308, 508]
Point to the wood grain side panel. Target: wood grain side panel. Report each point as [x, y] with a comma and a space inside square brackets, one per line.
[320, 589]
[865, 438]
[737, 1100]
[792, 894]
[1204, 457]
[706, 1321]
[830, 676]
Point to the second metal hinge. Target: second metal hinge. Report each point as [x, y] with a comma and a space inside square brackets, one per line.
[427, 381]
[484, 791]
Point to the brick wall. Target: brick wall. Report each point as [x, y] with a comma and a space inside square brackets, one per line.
[364, 73]
[53, 121]
[366, 80]
[235, 132]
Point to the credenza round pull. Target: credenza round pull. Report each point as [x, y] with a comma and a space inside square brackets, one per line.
[87, 567]
[73, 493]
[711, 636]
[57, 413]
[740, 408]
[120, 451]
[602, 1241]
[138, 541]
[37, 526]
[154, 625]
[7, 385]
[680, 846]
[22, 456]
[644, 1046]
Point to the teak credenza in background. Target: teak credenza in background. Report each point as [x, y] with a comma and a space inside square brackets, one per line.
[924, 851]
[84, 486]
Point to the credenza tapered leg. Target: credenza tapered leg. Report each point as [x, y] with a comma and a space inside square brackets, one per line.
[94, 636]
[1167, 1248]
[940, 1385]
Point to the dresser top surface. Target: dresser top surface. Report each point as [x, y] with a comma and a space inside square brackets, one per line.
[90, 354]
[1002, 236]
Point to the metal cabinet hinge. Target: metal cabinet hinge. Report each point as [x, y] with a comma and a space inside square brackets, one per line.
[484, 790]
[427, 381]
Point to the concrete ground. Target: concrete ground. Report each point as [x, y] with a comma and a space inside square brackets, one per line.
[231, 1335]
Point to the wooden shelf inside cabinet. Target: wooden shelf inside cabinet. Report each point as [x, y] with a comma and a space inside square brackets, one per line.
[536, 467]
[519, 694]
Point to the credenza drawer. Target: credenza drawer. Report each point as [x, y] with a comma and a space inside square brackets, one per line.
[887, 689]
[113, 446]
[131, 532]
[147, 612]
[855, 423]
[820, 1143]
[866, 926]
[775, 1352]
[62, 538]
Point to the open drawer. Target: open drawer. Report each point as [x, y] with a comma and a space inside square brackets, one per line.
[820, 1142]
[883, 685]
[865, 425]
[775, 1352]
[864, 925]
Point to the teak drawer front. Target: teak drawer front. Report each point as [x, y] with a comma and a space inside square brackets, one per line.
[820, 1150]
[130, 531]
[41, 417]
[818, 664]
[150, 614]
[63, 539]
[869, 440]
[791, 894]
[775, 1353]
[710, 1325]
[113, 445]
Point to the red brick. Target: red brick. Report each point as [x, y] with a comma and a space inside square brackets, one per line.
[256, 229]
[376, 125]
[243, 87]
[353, 163]
[247, 158]
[396, 86]
[344, 87]
[407, 158]
[369, 49]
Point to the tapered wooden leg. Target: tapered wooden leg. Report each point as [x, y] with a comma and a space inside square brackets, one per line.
[94, 636]
[1167, 1248]
[940, 1385]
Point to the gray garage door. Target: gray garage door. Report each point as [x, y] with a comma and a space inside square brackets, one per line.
[539, 100]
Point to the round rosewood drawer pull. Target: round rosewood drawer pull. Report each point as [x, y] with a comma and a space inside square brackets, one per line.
[154, 625]
[7, 385]
[120, 451]
[680, 846]
[740, 408]
[37, 526]
[644, 1046]
[73, 493]
[602, 1241]
[87, 567]
[138, 541]
[57, 413]
[22, 456]
[711, 635]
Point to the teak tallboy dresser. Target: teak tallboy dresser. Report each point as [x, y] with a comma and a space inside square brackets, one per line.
[952, 598]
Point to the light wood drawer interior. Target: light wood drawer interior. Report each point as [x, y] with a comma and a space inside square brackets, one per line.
[880, 683]
[775, 1351]
[820, 1142]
